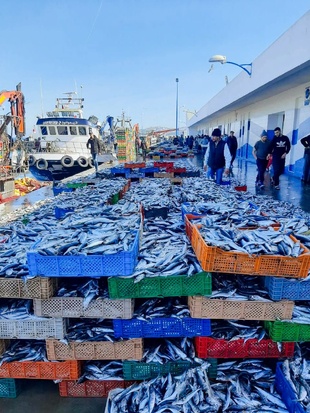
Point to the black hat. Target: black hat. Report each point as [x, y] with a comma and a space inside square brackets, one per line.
[216, 132]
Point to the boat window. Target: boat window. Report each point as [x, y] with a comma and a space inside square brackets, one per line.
[73, 130]
[62, 130]
[44, 130]
[82, 130]
[52, 130]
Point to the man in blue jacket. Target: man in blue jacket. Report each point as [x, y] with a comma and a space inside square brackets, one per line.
[217, 157]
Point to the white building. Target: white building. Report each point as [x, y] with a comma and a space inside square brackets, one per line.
[276, 94]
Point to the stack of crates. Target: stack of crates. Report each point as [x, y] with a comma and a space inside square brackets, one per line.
[125, 139]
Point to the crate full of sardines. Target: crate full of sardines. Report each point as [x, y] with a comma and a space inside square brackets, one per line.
[167, 317]
[168, 286]
[292, 382]
[93, 253]
[18, 321]
[85, 300]
[231, 250]
[26, 359]
[296, 329]
[288, 289]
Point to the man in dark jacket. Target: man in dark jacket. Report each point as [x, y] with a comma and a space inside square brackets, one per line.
[217, 157]
[233, 146]
[306, 172]
[94, 145]
[279, 148]
[260, 153]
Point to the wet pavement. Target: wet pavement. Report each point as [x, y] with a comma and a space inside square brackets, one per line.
[291, 189]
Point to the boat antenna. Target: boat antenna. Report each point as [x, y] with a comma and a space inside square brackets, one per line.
[41, 92]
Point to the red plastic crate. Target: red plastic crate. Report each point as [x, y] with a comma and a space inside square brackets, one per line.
[91, 388]
[44, 370]
[176, 170]
[207, 347]
[163, 165]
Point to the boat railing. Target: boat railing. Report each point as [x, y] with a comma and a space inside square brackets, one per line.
[61, 147]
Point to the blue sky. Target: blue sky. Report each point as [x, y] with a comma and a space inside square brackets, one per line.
[124, 55]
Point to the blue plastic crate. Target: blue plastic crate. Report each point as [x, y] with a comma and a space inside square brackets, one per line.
[61, 212]
[120, 171]
[184, 210]
[9, 388]
[136, 175]
[286, 392]
[162, 327]
[106, 265]
[282, 288]
[149, 169]
[58, 190]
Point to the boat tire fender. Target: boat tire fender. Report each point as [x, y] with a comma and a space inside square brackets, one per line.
[67, 161]
[82, 161]
[31, 160]
[41, 164]
[91, 162]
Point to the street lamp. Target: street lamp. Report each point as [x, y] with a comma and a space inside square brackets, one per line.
[218, 58]
[177, 108]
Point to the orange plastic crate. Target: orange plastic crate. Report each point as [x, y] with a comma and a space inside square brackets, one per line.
[214, 259]
[189, 225]
[91, 388]
[207, 347]
[46, 370]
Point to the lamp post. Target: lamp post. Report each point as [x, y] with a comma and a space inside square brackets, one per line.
[218, 58]
[177, 108]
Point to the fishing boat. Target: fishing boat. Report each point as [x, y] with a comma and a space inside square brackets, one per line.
[60, 149]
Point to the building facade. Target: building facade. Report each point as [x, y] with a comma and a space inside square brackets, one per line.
[276, 94]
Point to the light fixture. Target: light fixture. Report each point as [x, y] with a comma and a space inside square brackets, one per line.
[218, 58]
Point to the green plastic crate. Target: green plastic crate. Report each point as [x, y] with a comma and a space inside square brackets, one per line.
[114, 199]
[173, 286]
[134, 370]
[76, 185]
[283, 331]
[9, 388]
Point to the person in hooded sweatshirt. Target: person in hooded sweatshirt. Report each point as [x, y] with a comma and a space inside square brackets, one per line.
[217, 157]
[279, 148]
[260, 153]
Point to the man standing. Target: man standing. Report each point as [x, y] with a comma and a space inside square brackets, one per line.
[306, 172]
[279, 148]
[144, 148]
[216, 157]
[233, 146]
[260, 153]
[94, 144]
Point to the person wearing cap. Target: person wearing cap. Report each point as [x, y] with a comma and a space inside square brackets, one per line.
[217, 157]
[306, 171]
[260, 153]
[279, 148]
